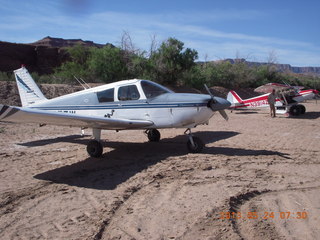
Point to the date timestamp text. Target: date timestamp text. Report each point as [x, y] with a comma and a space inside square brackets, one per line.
[263, 215]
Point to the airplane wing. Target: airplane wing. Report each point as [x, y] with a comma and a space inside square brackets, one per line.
[29, 115]
[267, 88]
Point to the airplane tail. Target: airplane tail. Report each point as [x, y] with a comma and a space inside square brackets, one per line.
[29, 92]
[234, 98]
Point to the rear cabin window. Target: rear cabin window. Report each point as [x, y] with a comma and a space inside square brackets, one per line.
[128, 93]
[152, 90]
[106, 95]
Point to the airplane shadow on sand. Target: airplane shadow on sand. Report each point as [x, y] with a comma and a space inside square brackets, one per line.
[122, 160]
[308, 115]
[43, 142]
[246, 112]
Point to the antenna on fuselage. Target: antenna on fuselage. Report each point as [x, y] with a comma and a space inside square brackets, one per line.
[82, 83]
[85, 83]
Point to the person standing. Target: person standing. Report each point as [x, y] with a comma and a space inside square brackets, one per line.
[272, 101]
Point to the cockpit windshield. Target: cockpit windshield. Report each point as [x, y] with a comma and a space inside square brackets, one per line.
[152, 89]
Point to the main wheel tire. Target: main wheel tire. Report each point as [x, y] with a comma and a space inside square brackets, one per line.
[154, 135]
[197, 147]
[94, 148]
[295, 110]
[302, 108]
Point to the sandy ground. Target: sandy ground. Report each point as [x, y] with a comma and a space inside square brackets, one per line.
[257, 178]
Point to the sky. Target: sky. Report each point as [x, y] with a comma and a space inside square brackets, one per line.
[286, 32]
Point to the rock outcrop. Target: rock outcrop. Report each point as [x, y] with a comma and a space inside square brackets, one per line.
[42, 56]
[280, 67]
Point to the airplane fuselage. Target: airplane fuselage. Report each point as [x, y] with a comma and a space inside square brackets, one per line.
[262, 100]
[136, 100]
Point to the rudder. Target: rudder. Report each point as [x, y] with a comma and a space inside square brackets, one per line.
[29, 91]
[234, 98]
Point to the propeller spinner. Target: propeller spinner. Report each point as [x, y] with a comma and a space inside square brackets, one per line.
[218, 104]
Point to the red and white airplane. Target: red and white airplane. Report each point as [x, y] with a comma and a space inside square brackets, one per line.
[287, 101]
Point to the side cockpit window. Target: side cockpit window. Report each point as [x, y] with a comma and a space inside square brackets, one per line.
[127, 93]
[106, 95]
[152, 90]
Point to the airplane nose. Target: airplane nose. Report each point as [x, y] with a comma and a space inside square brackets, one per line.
[225, 103]
[217, 104]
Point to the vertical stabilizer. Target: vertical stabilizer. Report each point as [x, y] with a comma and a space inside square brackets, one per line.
[28, 90]
[234, 98]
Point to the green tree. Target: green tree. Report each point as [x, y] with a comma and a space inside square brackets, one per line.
[219, 74]
[169, 62]
[107, 64]
[195, 77]
[210, 73]
[242, 74]
[77, 66]
[5, 76]
[264, 74]
[139, 66]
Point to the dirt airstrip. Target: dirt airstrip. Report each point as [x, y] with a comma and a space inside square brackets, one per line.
[257, 178]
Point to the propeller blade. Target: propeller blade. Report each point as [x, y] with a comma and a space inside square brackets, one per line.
[224, 114]
[214, 101]
[208, 90]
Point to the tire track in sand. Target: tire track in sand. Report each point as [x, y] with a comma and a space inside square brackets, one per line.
[266, 227]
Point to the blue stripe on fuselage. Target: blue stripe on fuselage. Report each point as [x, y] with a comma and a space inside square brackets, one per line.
[122, 106]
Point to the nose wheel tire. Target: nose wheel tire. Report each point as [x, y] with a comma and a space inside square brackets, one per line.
[153, 135]
[94, 148]
[195, 145]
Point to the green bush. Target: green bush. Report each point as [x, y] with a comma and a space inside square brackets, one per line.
[4, 76]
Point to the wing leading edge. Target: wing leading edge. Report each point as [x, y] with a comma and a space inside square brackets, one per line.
[28, 115]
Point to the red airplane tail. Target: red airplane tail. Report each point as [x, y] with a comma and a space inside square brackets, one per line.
[234, 98]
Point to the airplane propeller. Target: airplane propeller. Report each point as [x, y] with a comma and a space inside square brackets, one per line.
[214, 101]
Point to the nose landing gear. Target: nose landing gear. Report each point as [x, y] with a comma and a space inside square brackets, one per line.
[153, 135]
[194, 144]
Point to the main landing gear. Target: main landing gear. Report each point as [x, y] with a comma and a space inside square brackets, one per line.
[296, 110]
[94, 147]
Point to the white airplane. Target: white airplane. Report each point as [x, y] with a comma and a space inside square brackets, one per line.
[287, 102]
[123, 105]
